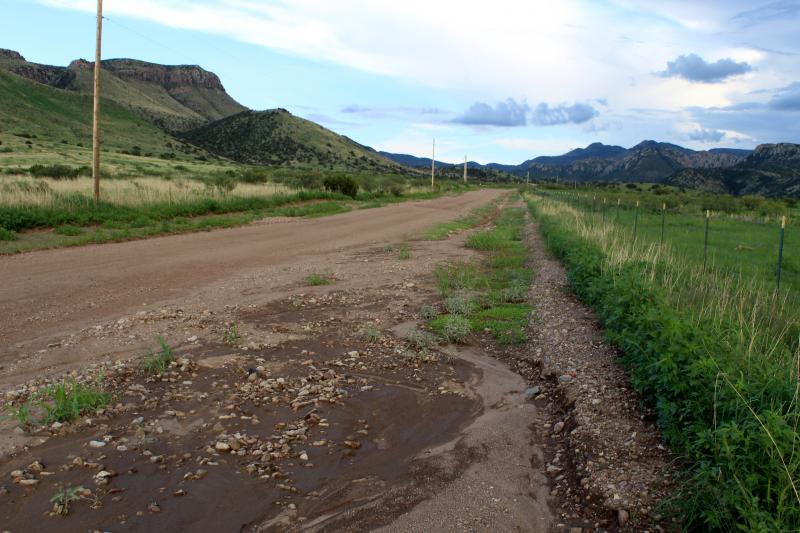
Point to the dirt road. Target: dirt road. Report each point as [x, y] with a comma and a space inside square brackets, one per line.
[45, 294]
[287, 407]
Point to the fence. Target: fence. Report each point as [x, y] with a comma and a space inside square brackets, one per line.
[739, 242]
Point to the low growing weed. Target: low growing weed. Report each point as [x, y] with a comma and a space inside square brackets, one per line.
[154, 363]
[315, 280]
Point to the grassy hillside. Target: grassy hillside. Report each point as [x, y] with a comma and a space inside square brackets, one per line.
[276, 137]
[37, 113]
[173, 97]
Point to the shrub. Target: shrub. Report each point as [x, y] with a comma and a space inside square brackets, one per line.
[454, 328]
[7, 235]
[341, 184]
[59, 171]
[460, 303]
[428, 312]
[420, 340]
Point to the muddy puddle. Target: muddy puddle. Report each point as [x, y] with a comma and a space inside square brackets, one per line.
[295, 436]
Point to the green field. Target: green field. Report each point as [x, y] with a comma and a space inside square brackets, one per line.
[743, 236]
[714, 351]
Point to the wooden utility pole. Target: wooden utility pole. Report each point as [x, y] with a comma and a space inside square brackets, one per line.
[433, 164]
[465, 169]
[96, 114]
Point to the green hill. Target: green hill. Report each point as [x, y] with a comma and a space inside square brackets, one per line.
[276, 137]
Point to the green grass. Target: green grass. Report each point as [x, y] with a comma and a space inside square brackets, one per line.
[69, 231]
[446, 229]
[488, 295]
[155, 363]
[60, 402]
[404, 252]
[317, 279]
[7, 235]
[231, 335]
[716, 354]
[64, 497]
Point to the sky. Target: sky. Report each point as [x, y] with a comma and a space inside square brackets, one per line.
[500, 81]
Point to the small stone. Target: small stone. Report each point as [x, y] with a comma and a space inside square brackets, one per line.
[304, 456]
[532, 393]
[96, 443]
[56, 425]
[352, 444]
[558, 427]
[622, 517]
[154, 508]
[179, 492]
[222, 446]
[566, 378]
[192, 338]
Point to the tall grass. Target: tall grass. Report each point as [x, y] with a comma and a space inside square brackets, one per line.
[46, 192]
[715, 352]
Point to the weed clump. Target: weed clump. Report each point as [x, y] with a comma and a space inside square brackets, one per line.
[404, 252]
[231, 335]
[155, 363]
[314, 280]
[428, 312]
[453, 328]
[420, 340]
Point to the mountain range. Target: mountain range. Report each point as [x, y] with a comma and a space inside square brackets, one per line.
[158, 109]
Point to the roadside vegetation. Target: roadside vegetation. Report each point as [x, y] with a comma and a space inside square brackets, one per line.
[714, 350]
[60, 402]
[743, 231]
[477, 216]
[489, 294]
[51, 205]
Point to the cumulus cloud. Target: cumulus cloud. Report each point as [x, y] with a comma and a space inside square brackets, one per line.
[787, 99]
[508, 113]
[513, 113]
[706, 136]
[692, 67]
[577, 113]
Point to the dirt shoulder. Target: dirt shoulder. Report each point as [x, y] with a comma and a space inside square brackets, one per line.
[604, 454]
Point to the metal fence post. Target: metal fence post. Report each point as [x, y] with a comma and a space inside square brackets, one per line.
[705, 244]
[780, 253]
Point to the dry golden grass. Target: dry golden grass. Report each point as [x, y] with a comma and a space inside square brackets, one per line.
[42, 192]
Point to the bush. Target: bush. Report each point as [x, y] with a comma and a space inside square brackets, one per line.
[59, 171]
[341, 184]
[7, 235]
